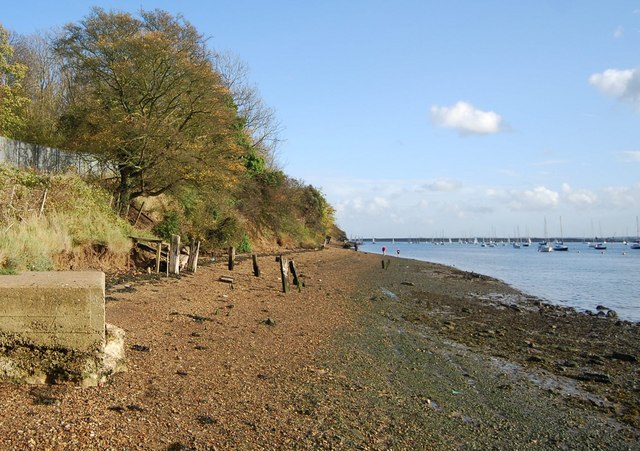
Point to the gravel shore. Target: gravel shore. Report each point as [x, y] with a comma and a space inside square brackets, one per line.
[414, 356]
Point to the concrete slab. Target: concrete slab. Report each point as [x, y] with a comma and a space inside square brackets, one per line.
[54, 309]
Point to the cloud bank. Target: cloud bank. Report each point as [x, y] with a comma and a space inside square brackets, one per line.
[631, 156]
[466, 119]
[446, 185]
[621, 84]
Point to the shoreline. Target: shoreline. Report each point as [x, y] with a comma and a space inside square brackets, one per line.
[415, 355]
[622, 310]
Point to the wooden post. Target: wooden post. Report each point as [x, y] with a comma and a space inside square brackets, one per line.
[44, 199]
[158, 254]
[139, 214]
[256, 268]
[383, 264]
[13, 192]
[167, 259]
[232, 257]
[192, 263]
[174, 255]
[284, 274]
[294, 273]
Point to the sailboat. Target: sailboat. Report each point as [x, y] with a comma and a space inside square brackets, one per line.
[544, 245]
[636, 243]
[516, 242]
[559, 245]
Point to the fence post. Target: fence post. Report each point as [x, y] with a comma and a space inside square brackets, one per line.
[256, 268]
[158, 254]
[44, 199]
[192, 263]
[174, 254]
[284, 274]
[139, 214]
[232, 257]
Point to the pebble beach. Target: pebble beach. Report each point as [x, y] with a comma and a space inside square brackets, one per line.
[405, 355]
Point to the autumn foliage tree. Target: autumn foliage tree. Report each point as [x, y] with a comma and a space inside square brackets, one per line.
[144, 99]
[144, 95]
[12, 98]
[44, 87]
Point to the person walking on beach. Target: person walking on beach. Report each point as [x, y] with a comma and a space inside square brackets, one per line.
[384, 250]
[398, 251]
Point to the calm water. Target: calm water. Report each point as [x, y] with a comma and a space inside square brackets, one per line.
[581, 278]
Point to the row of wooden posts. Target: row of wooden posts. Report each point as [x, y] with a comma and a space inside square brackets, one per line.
[175, 261]
[174, 264]
[286, 267]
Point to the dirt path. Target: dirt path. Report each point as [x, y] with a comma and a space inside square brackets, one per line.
[415, 356]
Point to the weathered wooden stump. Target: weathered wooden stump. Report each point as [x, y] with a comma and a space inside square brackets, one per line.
[256, 268]
[174, 255]
[284, 274]
[232, 257]
[192, 263]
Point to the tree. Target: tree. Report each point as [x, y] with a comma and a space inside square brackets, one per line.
[258, 119]
[12, 98]
[43, 85]
[144, 98]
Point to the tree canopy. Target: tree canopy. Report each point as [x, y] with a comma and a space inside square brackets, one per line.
[12, 98]
[145, 99]
[172, 119]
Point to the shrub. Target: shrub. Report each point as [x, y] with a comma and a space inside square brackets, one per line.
[245, 244]
[170, 225]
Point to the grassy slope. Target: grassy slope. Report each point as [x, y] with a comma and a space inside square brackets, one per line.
[53, 222]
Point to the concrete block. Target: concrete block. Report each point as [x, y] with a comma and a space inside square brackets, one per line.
[58, 310]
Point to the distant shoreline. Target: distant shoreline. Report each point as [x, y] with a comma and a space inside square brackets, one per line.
[551, 289]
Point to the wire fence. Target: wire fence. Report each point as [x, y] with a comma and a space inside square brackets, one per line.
[47, 159]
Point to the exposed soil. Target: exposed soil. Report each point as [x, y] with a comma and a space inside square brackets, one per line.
[415, 356]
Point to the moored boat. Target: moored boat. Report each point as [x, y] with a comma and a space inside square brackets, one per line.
[636, 243]
[560, 246]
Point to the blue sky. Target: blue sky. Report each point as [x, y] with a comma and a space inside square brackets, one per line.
[430, 118]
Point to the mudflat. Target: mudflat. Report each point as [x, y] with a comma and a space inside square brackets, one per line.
[410, 356]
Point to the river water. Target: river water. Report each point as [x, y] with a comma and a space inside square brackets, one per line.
[582, 277]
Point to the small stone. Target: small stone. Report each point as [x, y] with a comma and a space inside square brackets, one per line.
[622, 356]
[595, 377]
[140, 348]
[536, 359]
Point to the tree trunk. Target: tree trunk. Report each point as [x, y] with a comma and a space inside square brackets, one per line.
[124, 190]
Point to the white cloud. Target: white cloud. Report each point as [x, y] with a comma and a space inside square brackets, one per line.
[549, 163]
[622, 84]
[446, 185]
[619, 32]
[467, 119]
[538, 198]
[630, 156]
[379, 203]
[579, 198]
[623, 196]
